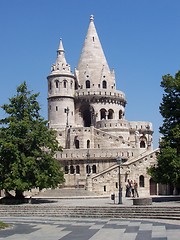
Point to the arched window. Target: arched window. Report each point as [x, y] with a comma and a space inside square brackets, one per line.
[88, 169]
[120, 114]
[77, 143]
[71, 84]
[65, 83]
[141, 181]
[142, 144]
[103, 113]
[66, 169]
[88, 143]
[94, 169]
[57, 83]
[72, 169]
[104, 84]
[77, 169]
[50, 86]
[110, 114]
[88, 84]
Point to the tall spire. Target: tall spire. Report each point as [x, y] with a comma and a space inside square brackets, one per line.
[61, 64]
[92, 55]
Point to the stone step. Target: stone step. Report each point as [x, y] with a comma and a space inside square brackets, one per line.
[109, 212]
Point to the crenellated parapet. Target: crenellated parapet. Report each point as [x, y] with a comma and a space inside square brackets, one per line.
[104, 96]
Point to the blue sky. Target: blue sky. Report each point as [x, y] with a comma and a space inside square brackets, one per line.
[140, 38]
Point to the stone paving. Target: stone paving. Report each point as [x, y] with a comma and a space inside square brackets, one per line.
[89, 229]
[46, 228]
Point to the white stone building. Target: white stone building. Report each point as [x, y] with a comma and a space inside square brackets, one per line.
[88, 113]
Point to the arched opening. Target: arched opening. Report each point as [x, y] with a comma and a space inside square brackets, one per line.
[87, 113]
[141, 181]
[88, 143]
[65, 83]
[142, 144]
[103, 114]
[76, 142]
[76, 85]
[94, 169]
[104, 84]
[72, 170]
[120, 114]
[57, 83]
[153, 187]
[88, 169]
[110, 114]
[88, 84]
[66, 169]
[77, 169]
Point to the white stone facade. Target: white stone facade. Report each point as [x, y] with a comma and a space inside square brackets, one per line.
[88, 113]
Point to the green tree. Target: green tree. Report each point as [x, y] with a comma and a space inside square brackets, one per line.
[168, 159]
[27, 146]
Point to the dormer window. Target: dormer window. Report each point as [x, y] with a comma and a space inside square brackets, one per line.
[88, 84]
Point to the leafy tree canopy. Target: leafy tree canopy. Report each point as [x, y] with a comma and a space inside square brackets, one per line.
[168, 159]
[27, 146]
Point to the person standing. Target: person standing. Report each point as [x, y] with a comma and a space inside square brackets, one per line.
[136, 189]
[132, 188]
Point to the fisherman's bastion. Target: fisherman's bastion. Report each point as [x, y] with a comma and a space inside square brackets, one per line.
[88, 113]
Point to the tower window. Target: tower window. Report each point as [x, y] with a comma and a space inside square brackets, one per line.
[93, 39]
[120, 114]
[72, 170]
[87, 84]
[66, 169]
[110, 114]
[77, 169]
[56, 108]
[103, 114]
[104, 84]
[77, 143]
[88, 143]
[57, 83]
[94, 169]
[65, 83]
[142, 144]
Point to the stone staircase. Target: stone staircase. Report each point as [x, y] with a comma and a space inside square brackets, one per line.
[142, 212]
[66, 192]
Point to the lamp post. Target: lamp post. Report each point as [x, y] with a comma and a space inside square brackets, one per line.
[88, 167]
[119, 161]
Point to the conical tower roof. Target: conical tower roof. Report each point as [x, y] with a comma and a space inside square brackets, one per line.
[92, 64]
[61, 66]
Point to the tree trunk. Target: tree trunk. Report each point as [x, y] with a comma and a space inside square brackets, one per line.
[19, 194]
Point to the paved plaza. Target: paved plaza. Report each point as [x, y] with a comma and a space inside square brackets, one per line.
[58, 228]
[89, 229]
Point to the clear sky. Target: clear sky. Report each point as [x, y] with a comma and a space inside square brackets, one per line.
[140, 38]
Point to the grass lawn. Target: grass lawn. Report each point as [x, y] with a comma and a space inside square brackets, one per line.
[3, 225]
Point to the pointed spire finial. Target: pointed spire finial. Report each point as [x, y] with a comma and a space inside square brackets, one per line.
[92, 18]
[61, 46]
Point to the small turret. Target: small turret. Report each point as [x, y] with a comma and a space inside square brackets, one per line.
[61, 92]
